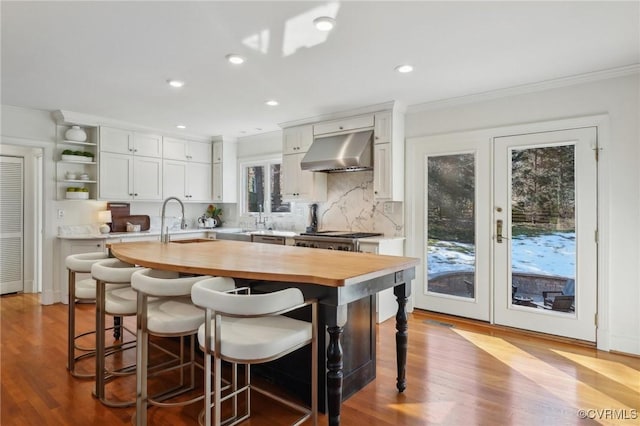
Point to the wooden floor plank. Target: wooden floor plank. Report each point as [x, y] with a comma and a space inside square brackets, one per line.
[463, 373]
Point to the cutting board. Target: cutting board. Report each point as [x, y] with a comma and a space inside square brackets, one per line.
[119, 224]
[118, 210]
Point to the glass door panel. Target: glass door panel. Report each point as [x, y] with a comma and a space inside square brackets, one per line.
[452, 224]
[543, 228]
[450, 241]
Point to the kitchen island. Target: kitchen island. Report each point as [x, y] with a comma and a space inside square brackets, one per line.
[335, 278]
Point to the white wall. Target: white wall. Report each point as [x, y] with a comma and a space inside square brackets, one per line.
[619, 98]
[263, 144]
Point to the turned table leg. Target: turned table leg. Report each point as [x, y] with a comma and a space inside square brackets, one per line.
[402, 336]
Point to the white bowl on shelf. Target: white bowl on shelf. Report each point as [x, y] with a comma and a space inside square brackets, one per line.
[77, 195]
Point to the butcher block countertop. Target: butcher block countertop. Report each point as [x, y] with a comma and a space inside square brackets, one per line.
[267, 262]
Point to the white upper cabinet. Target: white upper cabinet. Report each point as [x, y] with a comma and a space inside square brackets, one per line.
[382, 130]
[382, 171]
[147, 145]
[117, 141]
[217, 152]
[301, 185]
[186, 150]
[298, 184]
[187, 181]
[297, 139]
[130, 165]
[225, 189]
[122, 141]
[388, 156]
[125, 177]
[147, 179]
[343, 124]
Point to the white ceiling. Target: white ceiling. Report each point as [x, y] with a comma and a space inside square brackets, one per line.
[112, 59]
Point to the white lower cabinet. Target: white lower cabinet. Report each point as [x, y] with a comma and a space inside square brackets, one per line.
[69, 247]
[187, 180]
[386, 304]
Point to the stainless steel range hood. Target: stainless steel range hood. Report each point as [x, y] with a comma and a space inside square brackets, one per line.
[340, 153]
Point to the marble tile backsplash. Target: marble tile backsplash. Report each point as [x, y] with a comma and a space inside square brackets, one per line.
[351, 206]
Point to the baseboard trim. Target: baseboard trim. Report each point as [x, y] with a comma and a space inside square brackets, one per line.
[498, 330]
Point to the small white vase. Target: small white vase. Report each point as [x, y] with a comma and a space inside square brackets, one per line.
[76, 134]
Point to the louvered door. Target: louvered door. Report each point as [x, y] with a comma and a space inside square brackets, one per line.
[11, 224]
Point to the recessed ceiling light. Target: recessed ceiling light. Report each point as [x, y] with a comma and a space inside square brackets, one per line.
[272, 102]
[175, 83]
[181, 126]
[234, 59]
[404, 68]
[324, 23]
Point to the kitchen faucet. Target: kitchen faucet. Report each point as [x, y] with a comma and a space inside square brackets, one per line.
[164, 233]
[261, 221]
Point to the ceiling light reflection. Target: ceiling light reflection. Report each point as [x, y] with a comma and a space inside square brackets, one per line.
[235, 59]
[404, 68]
[175, 83]
[324, 23]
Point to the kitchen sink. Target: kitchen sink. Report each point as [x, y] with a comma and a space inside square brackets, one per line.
[286, 234]
[192, 240]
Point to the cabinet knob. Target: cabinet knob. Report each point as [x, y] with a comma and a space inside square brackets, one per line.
[341, 127]
[375, 192]
[135, 195]
[130, 194]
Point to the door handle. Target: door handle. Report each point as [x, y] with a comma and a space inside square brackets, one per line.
[499, 231]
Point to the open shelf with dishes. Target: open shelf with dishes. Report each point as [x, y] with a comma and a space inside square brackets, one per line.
[76, 162]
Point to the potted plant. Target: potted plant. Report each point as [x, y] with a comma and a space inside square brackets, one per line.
[214, 212]
[81, 156]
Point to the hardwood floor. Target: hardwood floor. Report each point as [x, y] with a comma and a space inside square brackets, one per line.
[459, 373]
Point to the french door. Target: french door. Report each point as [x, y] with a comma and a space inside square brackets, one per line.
[505, 227]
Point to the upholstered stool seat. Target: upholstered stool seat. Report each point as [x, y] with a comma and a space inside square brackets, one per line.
[120, 301]
[251, 329]
[173, 315]
[83, 291]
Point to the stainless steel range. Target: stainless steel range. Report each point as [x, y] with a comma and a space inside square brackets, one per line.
[333, 240]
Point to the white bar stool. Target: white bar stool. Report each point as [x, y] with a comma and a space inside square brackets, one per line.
[120, 301]
[173, 315]
[251, 329]
[83, 291]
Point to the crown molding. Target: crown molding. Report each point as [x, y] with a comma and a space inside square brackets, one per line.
[343, 114]
[67, 118]
[526, 88]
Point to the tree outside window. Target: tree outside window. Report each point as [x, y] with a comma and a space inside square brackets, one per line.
[262, 188]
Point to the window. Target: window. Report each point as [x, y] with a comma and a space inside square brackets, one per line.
[261, 187]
